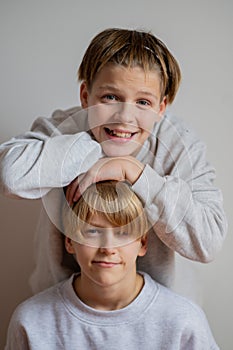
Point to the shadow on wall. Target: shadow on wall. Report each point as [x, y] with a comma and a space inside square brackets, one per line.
[18, 220]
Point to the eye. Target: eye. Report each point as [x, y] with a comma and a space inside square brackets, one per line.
[143, 103]
[110, 98]
[91, 233]
[122, 234]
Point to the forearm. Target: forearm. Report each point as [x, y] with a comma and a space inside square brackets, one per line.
[30, 167]
[188, 219]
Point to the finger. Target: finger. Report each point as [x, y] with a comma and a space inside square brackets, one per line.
[71, 191]
[83, 184]
[67, 192]
[77, 195]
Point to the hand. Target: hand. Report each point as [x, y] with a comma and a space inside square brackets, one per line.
[116, 168]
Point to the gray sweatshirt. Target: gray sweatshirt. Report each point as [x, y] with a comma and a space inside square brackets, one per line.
[158, 319]
[184, 208]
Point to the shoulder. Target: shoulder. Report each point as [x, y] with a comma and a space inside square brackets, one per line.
[185, 319]
[58, 119]
[39, 304]
[173, 304]
[184, 310]
[177, 144]
[60, 114]
[172, 128]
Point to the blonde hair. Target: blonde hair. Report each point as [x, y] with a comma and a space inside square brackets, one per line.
[114, 200]
[131, 48]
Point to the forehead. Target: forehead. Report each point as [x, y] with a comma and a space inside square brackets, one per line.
[99, 220]
[113, 76]
[112, 221]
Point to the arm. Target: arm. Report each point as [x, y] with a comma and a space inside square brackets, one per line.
[191, 222]
[184, 207]
[196, 333]
[187, 216]
[116, 168]
[17, 338]
[51, 155]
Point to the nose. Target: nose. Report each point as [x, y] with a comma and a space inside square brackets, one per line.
[107, 243]
[107, 251]
[125, 113]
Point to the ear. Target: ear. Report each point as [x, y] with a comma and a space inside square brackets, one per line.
[162, 107]
[69, 245]
[84, 94]
[143, 248]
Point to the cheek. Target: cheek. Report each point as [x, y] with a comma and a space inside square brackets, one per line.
[96, 133]
[147, 120]
[131, 252]
[84, 254]
[97, 116]
[146, 131]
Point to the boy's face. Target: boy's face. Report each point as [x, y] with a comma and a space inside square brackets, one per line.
[106, 266]
[127, 104]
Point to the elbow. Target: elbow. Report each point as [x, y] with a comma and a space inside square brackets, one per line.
[7, 175]
[213, 234]
[212, 247]
[203, 255]
[16, 180]
[206, 258]
[7, 181]
[15, 184]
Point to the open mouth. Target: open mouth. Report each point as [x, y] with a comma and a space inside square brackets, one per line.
[119, 133]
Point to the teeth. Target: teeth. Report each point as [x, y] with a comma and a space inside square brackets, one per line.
[120, 134]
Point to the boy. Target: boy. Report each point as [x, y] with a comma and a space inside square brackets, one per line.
[109, 305]
[122, 133]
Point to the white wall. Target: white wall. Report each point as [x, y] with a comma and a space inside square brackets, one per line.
[42, 43]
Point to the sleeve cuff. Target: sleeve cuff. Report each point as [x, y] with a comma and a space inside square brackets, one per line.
[148, 185]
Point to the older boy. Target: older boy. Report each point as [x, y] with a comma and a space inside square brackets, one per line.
[109, 305]
[121, 132]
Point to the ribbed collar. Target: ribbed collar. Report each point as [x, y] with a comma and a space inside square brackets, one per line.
[128, 314]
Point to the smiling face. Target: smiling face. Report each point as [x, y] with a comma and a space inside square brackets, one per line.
[106, 267]
[125, 103]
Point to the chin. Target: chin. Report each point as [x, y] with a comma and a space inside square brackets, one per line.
[119, 151]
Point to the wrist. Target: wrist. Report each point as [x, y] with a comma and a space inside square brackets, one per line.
[132, 168]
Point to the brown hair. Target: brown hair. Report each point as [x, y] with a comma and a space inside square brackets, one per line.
[115, 200]
[131, 48]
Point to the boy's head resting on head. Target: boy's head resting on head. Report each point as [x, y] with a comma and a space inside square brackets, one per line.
[114, 202]
[131, 48]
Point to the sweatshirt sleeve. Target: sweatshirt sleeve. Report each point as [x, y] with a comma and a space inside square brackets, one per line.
[183, 206]
[52, 154]
[16, 335]
[196, 333]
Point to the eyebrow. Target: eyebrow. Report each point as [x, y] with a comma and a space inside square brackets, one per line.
[93, 224]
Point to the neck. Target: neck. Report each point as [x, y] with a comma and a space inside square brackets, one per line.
[111, 297]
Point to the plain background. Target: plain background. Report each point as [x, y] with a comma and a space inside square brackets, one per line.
[42, 43]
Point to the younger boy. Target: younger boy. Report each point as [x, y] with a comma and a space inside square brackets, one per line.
[108, 305]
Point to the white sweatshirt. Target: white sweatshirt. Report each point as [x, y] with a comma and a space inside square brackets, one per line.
[158, 319]
[176, 186]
